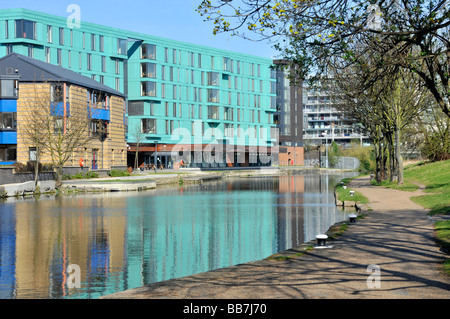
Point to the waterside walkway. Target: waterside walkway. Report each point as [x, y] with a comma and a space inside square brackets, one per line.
[395, 237]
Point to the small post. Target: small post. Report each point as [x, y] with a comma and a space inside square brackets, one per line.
[321, 240]
[352, 218]
[352, 193]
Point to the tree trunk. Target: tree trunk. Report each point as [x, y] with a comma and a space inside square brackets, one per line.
[59, 175]
[36, 168]
[398, 157]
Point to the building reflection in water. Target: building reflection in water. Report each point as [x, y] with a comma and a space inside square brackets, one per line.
[127, 240]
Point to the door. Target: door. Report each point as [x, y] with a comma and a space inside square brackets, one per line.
[94, 159]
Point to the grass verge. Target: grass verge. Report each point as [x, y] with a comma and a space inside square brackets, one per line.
[344, 194]
[443, 238]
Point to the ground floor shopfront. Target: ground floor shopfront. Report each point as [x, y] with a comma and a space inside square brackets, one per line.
[200, 155]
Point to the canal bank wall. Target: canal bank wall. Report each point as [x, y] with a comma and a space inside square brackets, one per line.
[142, 181]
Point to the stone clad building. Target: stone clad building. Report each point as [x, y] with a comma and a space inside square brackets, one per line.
[75, 109]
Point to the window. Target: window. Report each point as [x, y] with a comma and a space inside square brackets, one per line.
[148, 89]
[93, 46]
[59, 57]
[117, 84]
[148, 126]
[148, 70]
[89, 61]
[6, 30]
[135, 108]
[49, 34]
[8, 120]
[227, 65]
[163, 72]
[199, 60]
[32, 151]
[213, 112]
[30, 51]
[71, 38]
[166, 55]
[101, 40]
[117, 66]
[69, 58]
[228, 114]
[26, 29]
[98, 128]
[61, 36]
[122, 46]
[8, 154]
[56, 93]
[103, 64]
[47, 55]
[58, 125]
[9, 48]
[148, 51]
[213, 78]
[213, 95]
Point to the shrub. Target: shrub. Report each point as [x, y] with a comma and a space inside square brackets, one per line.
[364, 154]
[118, 173]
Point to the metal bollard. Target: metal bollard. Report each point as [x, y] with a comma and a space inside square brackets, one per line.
[321, 240]
[352, 218]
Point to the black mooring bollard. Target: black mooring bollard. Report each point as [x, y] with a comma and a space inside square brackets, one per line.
[321, 240]
[352, 219]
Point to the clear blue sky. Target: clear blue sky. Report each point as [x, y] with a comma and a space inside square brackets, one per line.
[173, 19]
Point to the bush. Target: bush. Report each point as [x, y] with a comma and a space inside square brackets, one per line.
[118, 173]
[81, 175]
[365, 155]
[29, 167]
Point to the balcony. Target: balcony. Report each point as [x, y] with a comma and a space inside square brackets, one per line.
[100, 114]
[8, 137]
[57, 109]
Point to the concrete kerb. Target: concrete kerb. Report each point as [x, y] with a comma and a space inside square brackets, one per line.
[27, 188]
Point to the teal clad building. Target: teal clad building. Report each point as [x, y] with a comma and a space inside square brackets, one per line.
[188, 104]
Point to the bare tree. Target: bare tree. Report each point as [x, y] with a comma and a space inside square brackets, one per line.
[54, 128]
[138, 135]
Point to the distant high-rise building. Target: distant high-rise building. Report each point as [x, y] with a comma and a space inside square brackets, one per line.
[323, 123]
[289, 115]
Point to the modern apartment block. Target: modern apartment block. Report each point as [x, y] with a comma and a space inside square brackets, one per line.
[288, 116]
[75, 117]
[323, 123]
[207, 107]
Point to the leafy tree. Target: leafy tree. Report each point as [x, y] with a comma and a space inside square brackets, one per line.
[315, 35]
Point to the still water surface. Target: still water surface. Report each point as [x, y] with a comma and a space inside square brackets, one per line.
[126, 240]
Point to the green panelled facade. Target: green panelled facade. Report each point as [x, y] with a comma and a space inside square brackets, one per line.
[211, 96]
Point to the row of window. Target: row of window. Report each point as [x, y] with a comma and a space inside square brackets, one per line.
[148, 51]
[150, 126]
[26, 29]
[149, 89]
[192, 111]
[148, 70]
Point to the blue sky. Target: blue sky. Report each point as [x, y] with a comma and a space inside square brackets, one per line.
[173, 19]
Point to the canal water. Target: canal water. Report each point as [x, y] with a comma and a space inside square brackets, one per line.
[121, 241]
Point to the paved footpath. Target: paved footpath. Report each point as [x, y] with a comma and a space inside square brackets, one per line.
[397, 237]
